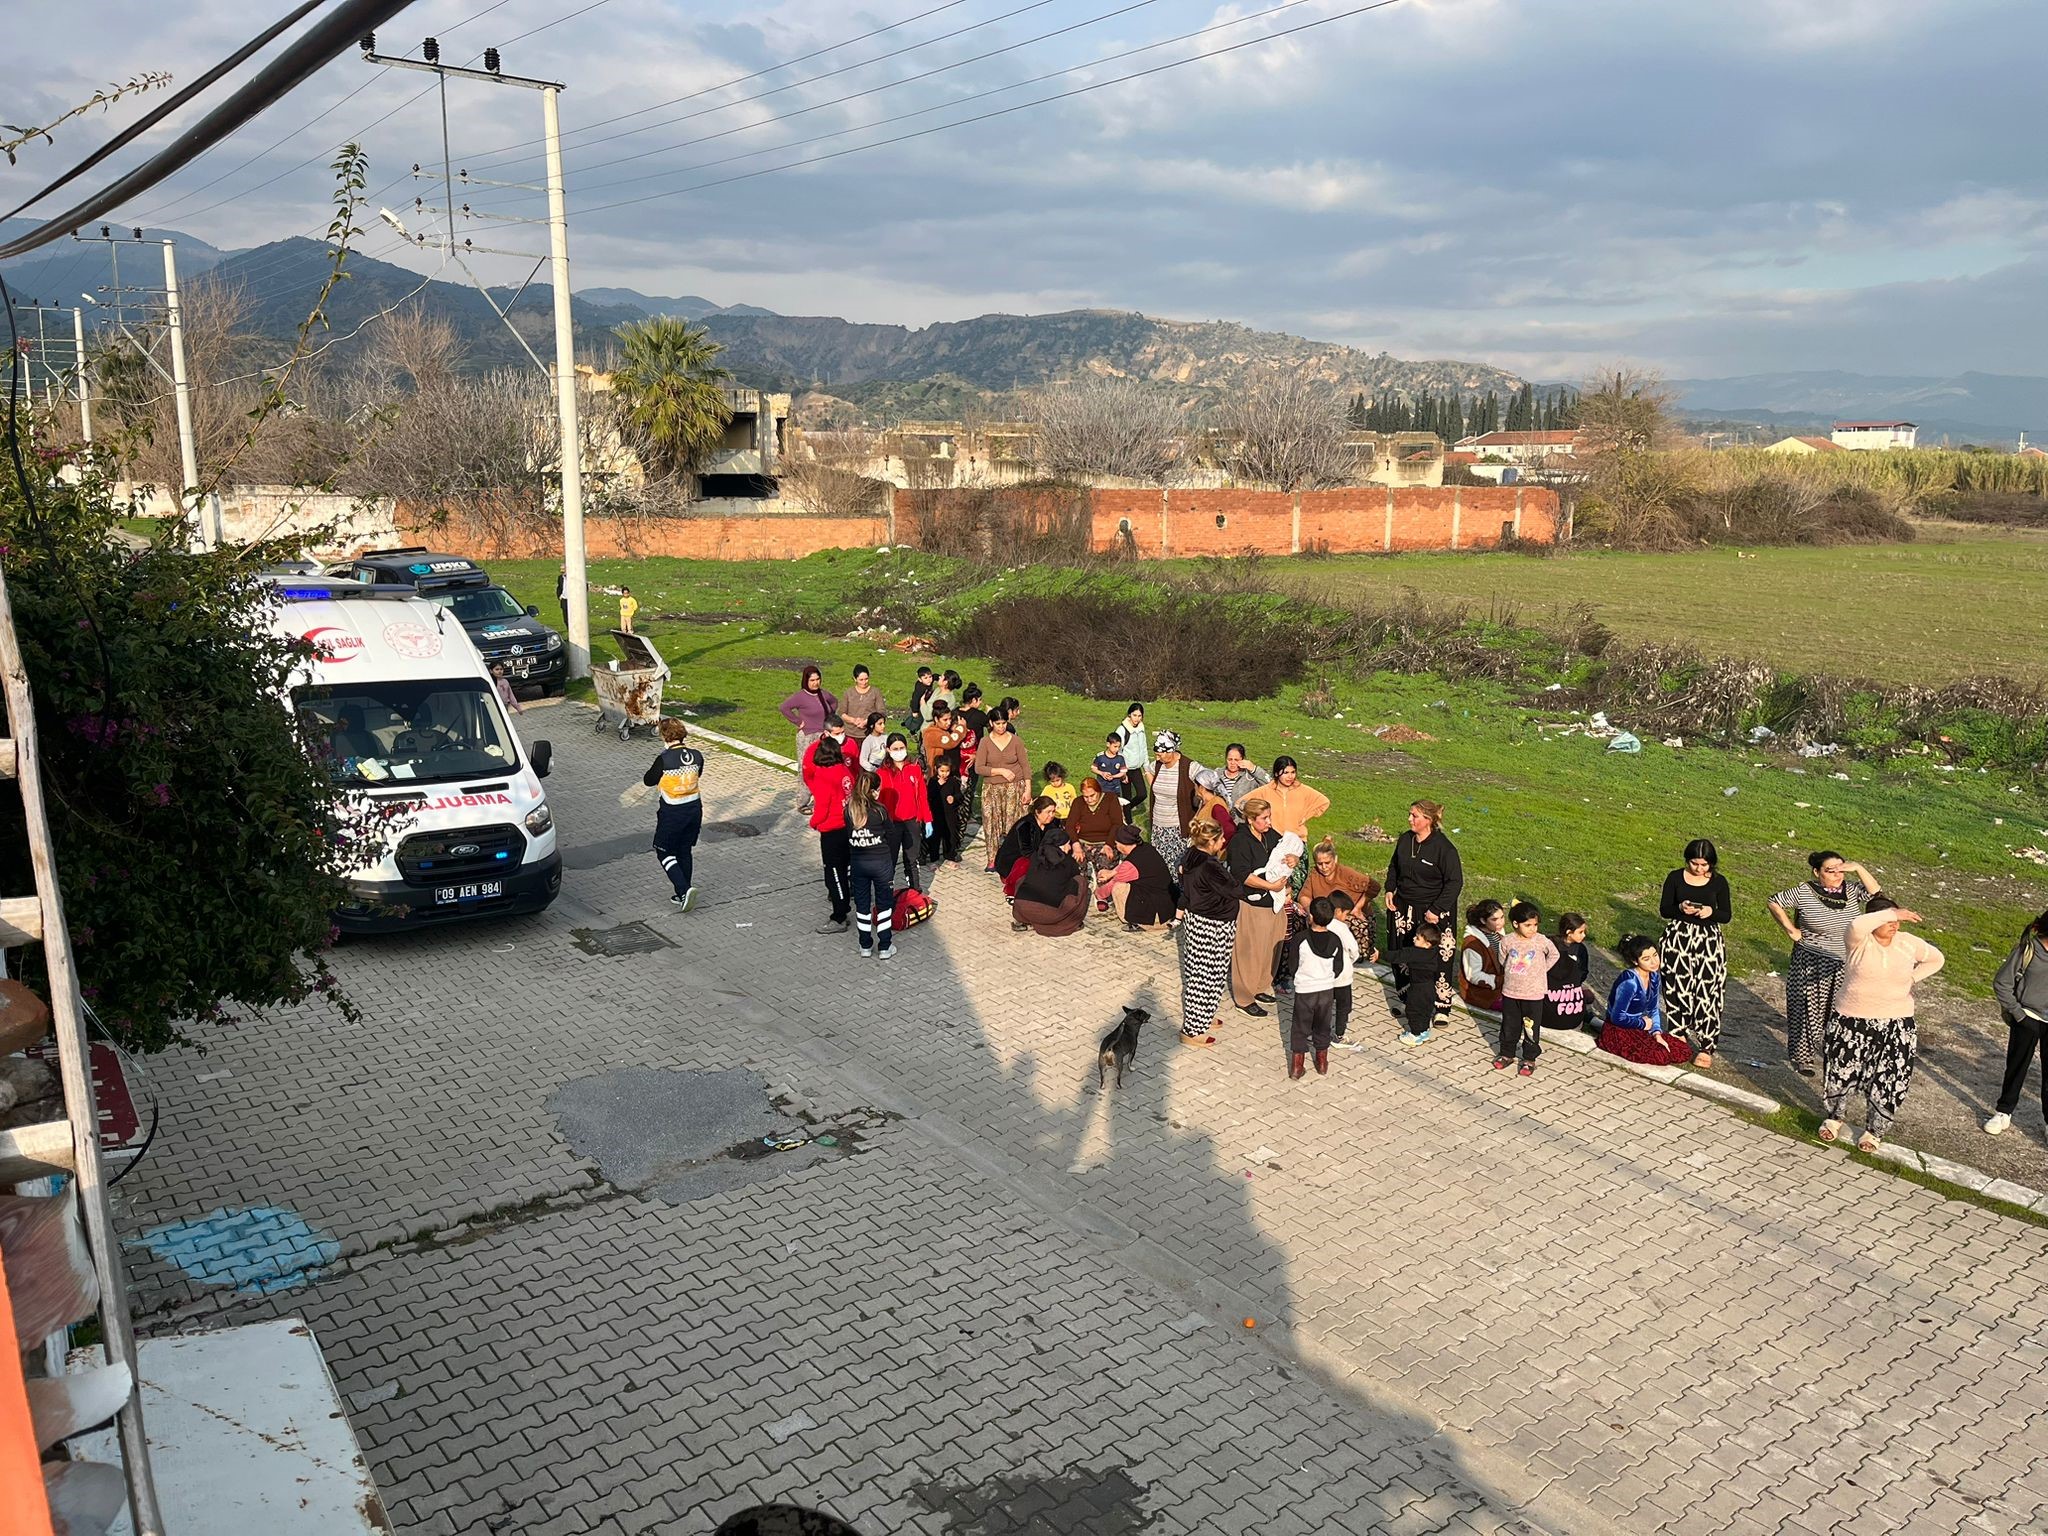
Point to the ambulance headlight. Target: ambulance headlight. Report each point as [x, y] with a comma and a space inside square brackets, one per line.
[539, 819]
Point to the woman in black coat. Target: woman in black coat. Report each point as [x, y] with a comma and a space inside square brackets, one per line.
[1424, 880]
[1148, 894]
[1054, 893]
[1208, 930]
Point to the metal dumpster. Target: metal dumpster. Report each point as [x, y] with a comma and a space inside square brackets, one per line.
[629, 691]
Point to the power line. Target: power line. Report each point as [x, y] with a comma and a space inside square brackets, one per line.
[802, 58]
[982, 117]
[1032, 5]
[1285, 5]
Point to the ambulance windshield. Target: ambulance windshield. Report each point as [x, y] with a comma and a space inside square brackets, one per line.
[406, 733]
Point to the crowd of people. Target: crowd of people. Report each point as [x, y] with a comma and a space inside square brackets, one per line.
[1226, 861]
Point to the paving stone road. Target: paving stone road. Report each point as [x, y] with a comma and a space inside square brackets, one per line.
[1002, 1300]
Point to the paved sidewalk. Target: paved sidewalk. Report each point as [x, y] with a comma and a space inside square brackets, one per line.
[1579, 1299]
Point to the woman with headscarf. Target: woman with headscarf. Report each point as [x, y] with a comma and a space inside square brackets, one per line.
[1171, 786]
[1005, 774]
[1136, 884]
[1261, 908]
[1695, 907]
[806, 709]
[1816, 918]
[1328, 877]
[1208, 930]
[1094, 818]
[1870, 1042]
[1021, 841]
[1053, 897]
[1424, 879]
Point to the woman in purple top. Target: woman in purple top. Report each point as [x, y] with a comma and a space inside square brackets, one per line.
[806, 709]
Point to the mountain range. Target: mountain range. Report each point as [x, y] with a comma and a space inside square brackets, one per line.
[885, 372]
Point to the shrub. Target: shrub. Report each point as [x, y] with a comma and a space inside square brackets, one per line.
[1161, 645]
[1042, 523]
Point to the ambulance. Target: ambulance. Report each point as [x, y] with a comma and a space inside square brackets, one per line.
[397, 703]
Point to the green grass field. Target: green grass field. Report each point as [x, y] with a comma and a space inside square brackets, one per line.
[1558, 820]
[1951, 605]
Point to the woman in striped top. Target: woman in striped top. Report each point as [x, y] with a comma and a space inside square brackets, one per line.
[1816, 918]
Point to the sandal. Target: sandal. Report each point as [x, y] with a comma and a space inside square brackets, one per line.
[1500, 1063]
[1704, 1060]
[1869, 1142]
[1830, 1131]
[1197, 1040]
[1526, 1069]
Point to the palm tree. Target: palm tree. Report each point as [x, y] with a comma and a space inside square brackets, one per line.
[671, 392]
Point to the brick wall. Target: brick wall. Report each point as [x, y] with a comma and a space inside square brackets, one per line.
[1161, 523]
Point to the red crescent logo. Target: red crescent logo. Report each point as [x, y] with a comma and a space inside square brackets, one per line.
[332, 650]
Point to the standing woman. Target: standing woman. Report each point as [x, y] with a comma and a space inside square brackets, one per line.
[1236, 778]
[1294, 804]
[874, 867]
[908, 803]
[1424, 880]
[863, 698]
[1261, 907]
[1172, 788]
[1208, 929]
[678, 772]
[1869, 1042]
[1696, 907]
[1005, 775]
[2021, 987]
[1816, 918]
[806, 709]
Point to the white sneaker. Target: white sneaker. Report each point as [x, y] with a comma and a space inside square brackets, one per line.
[888, 952]
[1997, 1124]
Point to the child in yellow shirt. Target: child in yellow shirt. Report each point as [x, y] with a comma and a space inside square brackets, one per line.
[1058, 790]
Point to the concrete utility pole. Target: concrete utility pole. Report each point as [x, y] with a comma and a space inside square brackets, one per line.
[574, 560]
[578, 583]
[84, 382]
[188, 447]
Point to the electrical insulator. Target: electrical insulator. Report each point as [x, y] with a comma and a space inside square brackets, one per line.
[369, 42]
[491, 60]
[430, 50]
[104, 232]
[138, 231]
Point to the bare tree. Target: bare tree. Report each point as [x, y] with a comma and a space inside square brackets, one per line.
[1624, 409]
[1287, 431]
[1103, 426]
[824, 474]
[453, 438]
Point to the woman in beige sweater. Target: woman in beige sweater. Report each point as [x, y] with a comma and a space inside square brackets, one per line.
[1869, 1043]
[1005, 774]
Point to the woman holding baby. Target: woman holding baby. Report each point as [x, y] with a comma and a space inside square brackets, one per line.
[1264, 873]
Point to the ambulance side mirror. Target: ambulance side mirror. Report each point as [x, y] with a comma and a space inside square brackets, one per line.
[533, 610]
[542, 756]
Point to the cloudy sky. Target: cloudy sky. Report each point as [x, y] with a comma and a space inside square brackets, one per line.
[1707, 186]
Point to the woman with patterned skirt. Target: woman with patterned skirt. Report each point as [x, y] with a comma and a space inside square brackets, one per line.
[1695, 908]
[1208, 933]
[1816, 918]
[1870, 1041]
[1424, 879]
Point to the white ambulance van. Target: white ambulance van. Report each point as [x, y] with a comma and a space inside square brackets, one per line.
[409, 718]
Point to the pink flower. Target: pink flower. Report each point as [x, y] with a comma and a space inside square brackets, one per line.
[162, 793]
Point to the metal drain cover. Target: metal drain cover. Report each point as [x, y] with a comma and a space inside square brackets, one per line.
[626, 939]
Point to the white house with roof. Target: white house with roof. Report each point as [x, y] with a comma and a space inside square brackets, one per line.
[1864, 436]
[1522, 447]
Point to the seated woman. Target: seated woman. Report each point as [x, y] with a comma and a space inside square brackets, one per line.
[1053, 895]
[1094, 820]
[1137, 884]
[1013, 853]
[1634, 1030]
[1217, 809]
[1329, 877]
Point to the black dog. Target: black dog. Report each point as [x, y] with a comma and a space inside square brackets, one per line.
[1120, 1047]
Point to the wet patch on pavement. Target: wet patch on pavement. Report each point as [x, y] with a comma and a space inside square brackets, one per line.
[678, 1136]
[1102, 1502]
[626, 939]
